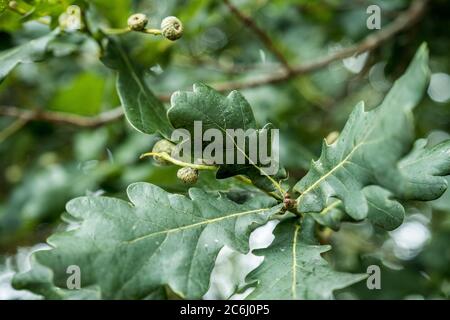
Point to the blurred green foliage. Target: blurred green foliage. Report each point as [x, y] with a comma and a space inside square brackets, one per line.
[44, 164]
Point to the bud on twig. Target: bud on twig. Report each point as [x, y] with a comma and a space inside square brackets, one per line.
[288, 203]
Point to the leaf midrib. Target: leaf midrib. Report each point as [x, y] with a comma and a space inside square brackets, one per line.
[294, 263]
[347, 158]
[198, 224]
[340, 164]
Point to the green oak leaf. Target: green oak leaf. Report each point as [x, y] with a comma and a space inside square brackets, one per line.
[368, 150]
[31, 51]
[294, 269]
[40, 279]
[256, 173]
[135, 250]
[331, 216]
[423, 170]
[216, 111]
[213, 109]
[143, 110]
[383, 210]
[443, 203]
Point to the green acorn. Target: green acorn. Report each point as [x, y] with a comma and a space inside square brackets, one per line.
[188, 175]
[162, 146]
[172, 28]
[137, 22]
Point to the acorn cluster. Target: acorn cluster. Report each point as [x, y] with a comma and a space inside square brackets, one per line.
[171, 27]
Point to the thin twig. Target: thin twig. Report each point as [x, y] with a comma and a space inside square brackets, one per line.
[260, 33]
[63, 118]
[12, 128]
[371, 42]
[118, 31]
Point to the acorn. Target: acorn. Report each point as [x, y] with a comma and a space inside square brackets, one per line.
[162, 146]
[137, 22]
[188, 175]
[172, 28]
